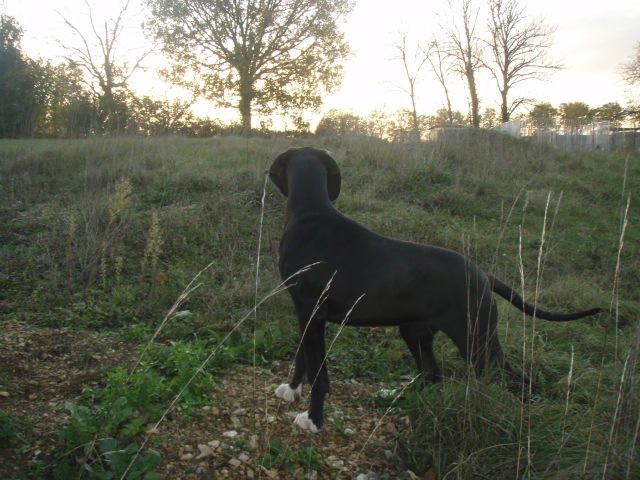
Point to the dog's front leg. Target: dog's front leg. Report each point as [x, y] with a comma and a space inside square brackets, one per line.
[314, 352]
[310, 359]
[290, 392]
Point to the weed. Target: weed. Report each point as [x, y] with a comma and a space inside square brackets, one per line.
[99, 438]
[153, 248]
[117, 205]
[10, 430]
[288, 458]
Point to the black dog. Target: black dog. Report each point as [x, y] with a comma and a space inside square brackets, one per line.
[365, 279]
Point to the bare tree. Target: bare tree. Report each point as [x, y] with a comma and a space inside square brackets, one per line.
[464, 47]
[437, 58]
[263, 55]
[518, 49]
[412, 63]
[100, 53]
[631, 69]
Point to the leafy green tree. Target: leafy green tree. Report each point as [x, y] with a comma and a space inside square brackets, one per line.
[611, 111]
[490, 118]
[160, 117]
[576, 110]
[17, 83]
[445, 118]
[340, 123]
[254, 55]
[543, 110]
[65, 106]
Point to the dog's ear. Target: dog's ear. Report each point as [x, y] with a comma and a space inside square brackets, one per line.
[278, 171]
[334, 177]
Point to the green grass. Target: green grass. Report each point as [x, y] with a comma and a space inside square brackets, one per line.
[105, 234]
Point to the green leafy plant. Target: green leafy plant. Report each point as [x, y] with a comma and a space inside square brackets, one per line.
[100, 438]
[283, 456]
[9, 430]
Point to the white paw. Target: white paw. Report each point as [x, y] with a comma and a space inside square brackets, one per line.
[288, 394]
[305, 423]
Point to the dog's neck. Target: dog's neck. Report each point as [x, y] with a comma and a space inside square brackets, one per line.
[307, 189]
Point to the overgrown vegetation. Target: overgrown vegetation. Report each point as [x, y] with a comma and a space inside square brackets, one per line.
[107, 235]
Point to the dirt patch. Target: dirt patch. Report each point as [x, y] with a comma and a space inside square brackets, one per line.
[41, 369]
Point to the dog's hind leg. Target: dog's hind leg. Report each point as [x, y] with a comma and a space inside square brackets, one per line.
[489, 351]
[518, 383]
[419, 339]
[480, 347]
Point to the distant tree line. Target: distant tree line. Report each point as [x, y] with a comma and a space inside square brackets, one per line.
[271, 58]
[612, 111]
[398, 126]
[48, 100]
[497, 37]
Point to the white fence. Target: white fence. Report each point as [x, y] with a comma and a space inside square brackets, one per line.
[573, 133]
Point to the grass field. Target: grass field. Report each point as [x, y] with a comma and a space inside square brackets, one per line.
[106, 235]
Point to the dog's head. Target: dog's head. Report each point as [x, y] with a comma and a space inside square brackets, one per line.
[278, 170]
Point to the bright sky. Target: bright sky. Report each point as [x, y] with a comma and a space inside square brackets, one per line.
[593, 38]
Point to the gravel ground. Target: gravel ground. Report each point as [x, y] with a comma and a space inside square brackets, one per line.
[42, 368]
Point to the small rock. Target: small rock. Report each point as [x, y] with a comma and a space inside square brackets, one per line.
[348, 431]
[235, 462]
[230, 434]
[243, 457]
[214, 444]
[337, 463]
[4, 394]
[204, 451]
[240, 411]
[187, 457]
[368, 476]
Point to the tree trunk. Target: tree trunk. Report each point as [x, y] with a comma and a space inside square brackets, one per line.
[503, 92]
[475, 103]
[246, 97]
[414, 114]
[505, 107]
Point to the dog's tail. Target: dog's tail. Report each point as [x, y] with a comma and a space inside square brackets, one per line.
[508, 293]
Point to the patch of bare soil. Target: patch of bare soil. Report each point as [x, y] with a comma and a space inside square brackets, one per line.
[41, 369]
